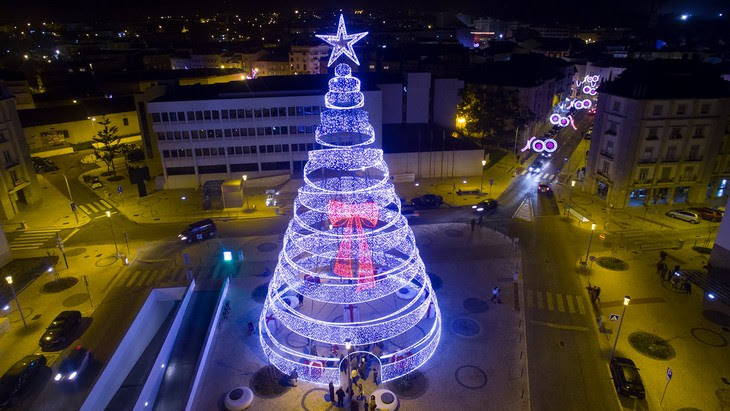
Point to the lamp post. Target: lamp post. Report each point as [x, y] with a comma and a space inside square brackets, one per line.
[588, 250]
[627, 299]
[481, 185]
[9, 280]
[111, 226]
[244, 178]
[70, 197]
[570, 198]
[348, 347]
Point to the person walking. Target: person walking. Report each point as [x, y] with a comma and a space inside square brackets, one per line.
[473, 224]
[300, 298]
[354, 375]
[598, 294]
[373, 404]
[343, 364]
[495, 295]
[340, 397]
[481, 219]
[375, 375]
[332, 392]
[687, 287]
[293, 378]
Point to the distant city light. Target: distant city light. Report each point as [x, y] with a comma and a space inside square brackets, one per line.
[6, 308]
[684, 17]
[227, 256]
[711, 296]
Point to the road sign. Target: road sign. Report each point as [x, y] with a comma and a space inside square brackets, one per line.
[669, 374]
[613, 317]
[491, 181]
[592, 258]
[73, 206]
[119, 189]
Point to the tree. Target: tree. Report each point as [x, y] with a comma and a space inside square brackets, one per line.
[110, 144]
[489, 111]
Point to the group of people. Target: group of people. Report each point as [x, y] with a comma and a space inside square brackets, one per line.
[679, 281]
[595, 293]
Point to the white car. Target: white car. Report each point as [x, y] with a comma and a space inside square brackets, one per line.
[89, 159]
[684, 215]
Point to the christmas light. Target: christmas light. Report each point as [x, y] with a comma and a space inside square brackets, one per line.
[350, 251]
[342, 42]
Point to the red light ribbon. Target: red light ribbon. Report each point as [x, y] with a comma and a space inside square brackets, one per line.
[357, 215]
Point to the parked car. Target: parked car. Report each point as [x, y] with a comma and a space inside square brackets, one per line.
[427, 201]
[93, 181]
[43, 165]
[60, 331]
[708, 213]
[409, 211]
[73, 365]
[89, 159]
[544, 188]
[684, 215]
[626, 378]
[484, 206]
[18, 377]
[199, 231]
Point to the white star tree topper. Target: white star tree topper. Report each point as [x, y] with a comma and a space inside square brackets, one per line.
[342, 42]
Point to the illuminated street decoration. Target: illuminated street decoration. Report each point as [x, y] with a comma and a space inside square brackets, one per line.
[589, 84]
[537, 145]
[350, 254]
[558, 120]
[578, 104]
[342, 42]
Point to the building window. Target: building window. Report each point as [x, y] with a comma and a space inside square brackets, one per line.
[676, 133]
[165, 117]
[257, 113]
[199, 116]
[648, 154]
[216, 115]
[643, 174]
[266, 112]
[694, 153]
[657, 110]
[180, 116]
[699, 132]
[605, 168]
[671, 153]
[155, 117]
[705, 108]
[218, 133]
[191, 116]
[282, 111]
[612, 127]
[616, 106]
[689, 172]
[682, 109]
[653, 133]
[232, 114]
[224, 114]
[173, 116]
[207, 115]
[125, 121]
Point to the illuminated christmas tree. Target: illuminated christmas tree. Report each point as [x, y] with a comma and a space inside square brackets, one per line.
[349, 255]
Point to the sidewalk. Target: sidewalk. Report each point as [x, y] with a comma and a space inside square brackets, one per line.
[688, 338]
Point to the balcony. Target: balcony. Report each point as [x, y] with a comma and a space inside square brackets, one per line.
[610, 132]
[646, 160]
[670, 159]
[688, 178]
[607, 154]
[665, 180]
[694, 158]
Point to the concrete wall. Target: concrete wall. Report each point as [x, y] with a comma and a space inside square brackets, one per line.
[418, 97]
[146, 324]
[5, 255]
[437, 164]
[445, 99]
[392, 95]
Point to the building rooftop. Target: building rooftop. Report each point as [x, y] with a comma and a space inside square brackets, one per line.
[522, 70]
[412, 138]
[160, 75]
[668, 79]
[75, 112]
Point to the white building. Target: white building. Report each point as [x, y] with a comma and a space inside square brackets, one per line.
[265, 126]
[307, 59]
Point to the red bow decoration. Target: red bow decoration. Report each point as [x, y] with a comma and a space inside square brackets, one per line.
[359, 215]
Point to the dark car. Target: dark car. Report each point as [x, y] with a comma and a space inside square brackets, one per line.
[626, 378]
[484, 206]
[18, 376]
[60, 331]
[199, 231]
[43, 165]
[73, 365]
[535, 167]
[544, 188]
[707, 213]
[409, 211]
[427, 201]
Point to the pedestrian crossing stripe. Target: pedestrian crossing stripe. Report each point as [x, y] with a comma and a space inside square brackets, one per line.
[132, 277]
[32, 239]
[95, 207]
[555, 302]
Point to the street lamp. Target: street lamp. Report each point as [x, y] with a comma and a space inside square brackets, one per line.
[244, 178]
[348, 347]
[627, 299]
[111, 226]
[570, 198]
[588, 250]
[9, 280]
[481, 185]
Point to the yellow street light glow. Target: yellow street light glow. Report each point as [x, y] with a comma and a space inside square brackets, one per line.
[109, 214]
[484, 163]
[627, 299]
[9, 279]
[461, 120]
[593, 226]
[572, 183]
[244, 177]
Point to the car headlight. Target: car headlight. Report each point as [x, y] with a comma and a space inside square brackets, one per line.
[480, 209]
[48, 338]
[58, 377]
[473, 206]
[73, 376]
[182, 237]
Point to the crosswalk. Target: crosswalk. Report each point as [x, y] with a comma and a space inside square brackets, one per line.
[32, 240]
[137, 277]
[96, 207]
[556, 302]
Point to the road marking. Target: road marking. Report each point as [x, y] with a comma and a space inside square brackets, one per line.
[91, 206]
[560, 326]
[23, 247]
[131, 279]
[84, 209]
[579, 300]
[71, 234]
[540, 303]
[619, 303]
[107, 205]
[559, 302]
[569, 300]
[530, 298]
[549, 299]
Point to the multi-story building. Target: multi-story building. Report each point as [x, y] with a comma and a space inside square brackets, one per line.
[307, 59]
[657, 133]
[265, 126]
[18, 184]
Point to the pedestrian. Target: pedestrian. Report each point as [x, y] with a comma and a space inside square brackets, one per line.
[598, 294]
[665, 272]
[359, 392]
[481, 219]
[353, 375]
[332, 392]
[373, 404]
[676, 269]
[364, 400]
[350, 393]
[473, 224]
[659, 267]
[354, 406]
[687, 287]
[300, 298]
[495, 295]
[340, 397]
[375, 375]
[293, 378]
[343, 364]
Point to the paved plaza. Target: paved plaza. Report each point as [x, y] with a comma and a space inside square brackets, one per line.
[481, 359]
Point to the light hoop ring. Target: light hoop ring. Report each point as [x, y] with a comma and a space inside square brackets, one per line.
[548, 145]
[555, 119]
[538, 146]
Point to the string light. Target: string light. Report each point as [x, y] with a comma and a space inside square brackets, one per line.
[347, 248]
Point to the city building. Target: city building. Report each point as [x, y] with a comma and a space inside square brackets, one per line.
[309, 59]
[18, 184]
[60, 130]
[265, 126]
[656, 137]
[18, 86]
